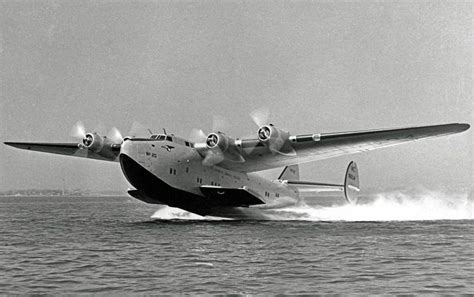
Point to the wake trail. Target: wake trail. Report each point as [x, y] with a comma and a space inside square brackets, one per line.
[390, 206]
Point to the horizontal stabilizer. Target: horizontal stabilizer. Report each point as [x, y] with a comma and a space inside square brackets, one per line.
[231, 197]
[350, 186]
[307, 188]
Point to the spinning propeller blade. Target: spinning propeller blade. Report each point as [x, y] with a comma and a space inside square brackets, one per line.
[115, 135]
[78, 130]
[197, 136]
[260, 116]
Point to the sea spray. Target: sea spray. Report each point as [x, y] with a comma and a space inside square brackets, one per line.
[393, 206]
[389, 206]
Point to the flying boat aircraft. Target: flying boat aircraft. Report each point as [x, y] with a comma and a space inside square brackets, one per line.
[215, 174]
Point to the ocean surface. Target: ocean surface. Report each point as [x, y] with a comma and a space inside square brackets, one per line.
[392, 244]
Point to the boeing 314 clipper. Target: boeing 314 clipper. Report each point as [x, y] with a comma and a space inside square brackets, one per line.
[215, 175]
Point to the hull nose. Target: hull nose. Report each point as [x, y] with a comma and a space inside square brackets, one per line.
[132, 162]
[131, 149]
[151, 189]
[136, 175]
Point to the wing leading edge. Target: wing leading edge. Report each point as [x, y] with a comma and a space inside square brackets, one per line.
[314, 147]
[67, 149]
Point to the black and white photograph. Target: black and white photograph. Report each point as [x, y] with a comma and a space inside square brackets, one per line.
[179, 147]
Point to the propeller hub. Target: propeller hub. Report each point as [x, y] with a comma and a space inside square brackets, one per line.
[88, 140]
[264, 133]
[212, 140]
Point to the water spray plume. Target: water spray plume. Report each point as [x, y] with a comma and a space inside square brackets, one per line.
[392, 206]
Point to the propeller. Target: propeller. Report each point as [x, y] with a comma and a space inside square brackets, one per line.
[260, 116]
[78, 130]
[197, 136]
[137, 129]
[115, 135]
[214, 147]
[213, 157]
[219, 123]
[94, 142]
[212, 153]
[289, 151]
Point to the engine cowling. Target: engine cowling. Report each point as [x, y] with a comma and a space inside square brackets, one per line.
[217, 144]
[218, 140]
[218, 147]
[275, 139]
[101, 145]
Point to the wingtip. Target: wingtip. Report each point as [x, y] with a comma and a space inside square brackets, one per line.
[457, 127]
[464, 126]
[13, 144]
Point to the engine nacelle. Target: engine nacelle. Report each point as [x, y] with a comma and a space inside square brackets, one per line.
[101, 145]
[274, 138]
[217, 148]
[218, 140]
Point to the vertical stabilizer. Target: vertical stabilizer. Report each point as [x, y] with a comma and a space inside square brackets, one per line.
[291, 172]
[351, 183]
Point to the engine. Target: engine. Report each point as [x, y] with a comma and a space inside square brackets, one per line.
[275, 139]
[217, 148]
[217, 140]
[101, 145]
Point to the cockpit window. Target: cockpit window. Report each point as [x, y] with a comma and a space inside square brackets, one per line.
[159, 137]
[169, 138]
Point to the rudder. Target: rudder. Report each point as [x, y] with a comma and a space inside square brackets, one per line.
[351, 183]
[291, 172]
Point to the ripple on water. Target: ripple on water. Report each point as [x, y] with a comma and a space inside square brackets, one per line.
[91, 248]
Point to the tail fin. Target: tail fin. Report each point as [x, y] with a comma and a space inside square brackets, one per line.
[351, 183]
[291, 172]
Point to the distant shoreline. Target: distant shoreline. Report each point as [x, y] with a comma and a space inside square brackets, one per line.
[59, 193]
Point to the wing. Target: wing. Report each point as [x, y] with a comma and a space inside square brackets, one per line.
[68, 149]
[313, 147]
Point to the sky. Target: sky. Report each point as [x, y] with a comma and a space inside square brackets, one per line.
[317, 66]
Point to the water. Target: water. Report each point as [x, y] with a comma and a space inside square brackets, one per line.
[421, 244]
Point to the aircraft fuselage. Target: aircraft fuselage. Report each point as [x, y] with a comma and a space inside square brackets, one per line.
[177, 167]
